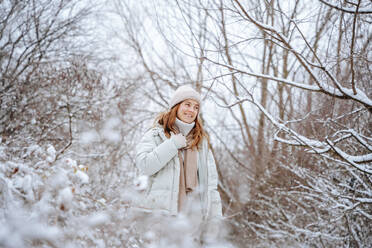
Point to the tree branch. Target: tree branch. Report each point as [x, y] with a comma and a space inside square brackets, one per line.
[348, 10]
[352, 50]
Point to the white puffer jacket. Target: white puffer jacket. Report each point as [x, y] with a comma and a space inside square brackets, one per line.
[157, 157]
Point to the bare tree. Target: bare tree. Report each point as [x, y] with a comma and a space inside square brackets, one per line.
[32, 34]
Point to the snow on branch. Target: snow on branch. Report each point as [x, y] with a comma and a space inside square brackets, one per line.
[362, 139]
[314, 88]
[360, 162]
[353, 160]
[338, 91]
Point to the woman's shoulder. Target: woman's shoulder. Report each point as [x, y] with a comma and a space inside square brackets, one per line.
[154, 131]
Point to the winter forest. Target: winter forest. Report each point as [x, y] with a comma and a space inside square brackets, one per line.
[287, 104]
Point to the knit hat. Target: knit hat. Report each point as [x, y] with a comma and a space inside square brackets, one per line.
[182, 93]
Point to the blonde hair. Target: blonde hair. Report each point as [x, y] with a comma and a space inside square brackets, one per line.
[168, 118]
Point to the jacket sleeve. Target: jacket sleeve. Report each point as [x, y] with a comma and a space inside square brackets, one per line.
[151, 158]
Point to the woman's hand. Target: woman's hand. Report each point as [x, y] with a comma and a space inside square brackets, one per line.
[179, 140]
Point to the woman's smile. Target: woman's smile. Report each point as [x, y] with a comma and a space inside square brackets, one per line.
[188, 115]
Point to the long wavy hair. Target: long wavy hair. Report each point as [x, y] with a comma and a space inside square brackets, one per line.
[168, 118]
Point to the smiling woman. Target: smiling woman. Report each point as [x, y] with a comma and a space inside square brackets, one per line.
[175, 155]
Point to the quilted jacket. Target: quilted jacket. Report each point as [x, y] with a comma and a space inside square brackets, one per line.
[157, 157]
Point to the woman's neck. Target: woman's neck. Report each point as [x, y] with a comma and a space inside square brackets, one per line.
[184, 127]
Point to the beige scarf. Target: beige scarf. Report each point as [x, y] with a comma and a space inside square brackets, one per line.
[188, 173]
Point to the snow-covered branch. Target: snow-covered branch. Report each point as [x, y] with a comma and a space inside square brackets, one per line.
[363, 140]
[361, 162]
[353, 160]
[337, 91]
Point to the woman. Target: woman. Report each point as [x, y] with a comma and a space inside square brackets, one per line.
[174, 154]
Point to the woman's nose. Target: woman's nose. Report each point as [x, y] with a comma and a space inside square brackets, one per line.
[191, 109]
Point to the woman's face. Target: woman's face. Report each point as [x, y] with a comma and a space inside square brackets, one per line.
[188, 111]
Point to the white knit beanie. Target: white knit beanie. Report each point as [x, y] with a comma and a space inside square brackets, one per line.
[182, 93]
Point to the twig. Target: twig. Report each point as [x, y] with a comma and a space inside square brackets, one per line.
[352, 50]
[349, 11]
